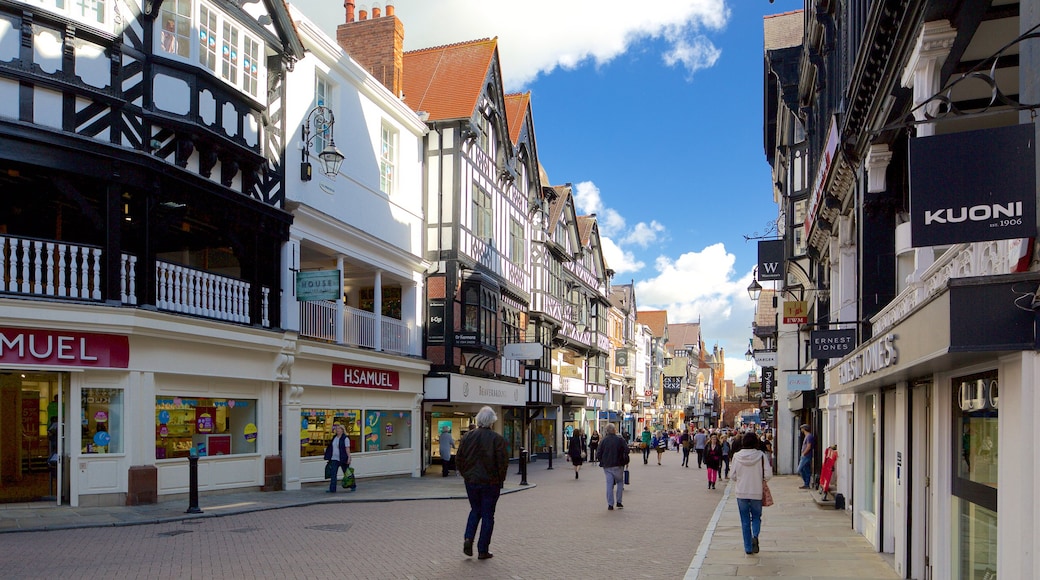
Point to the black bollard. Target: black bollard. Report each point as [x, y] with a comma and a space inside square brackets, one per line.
[523, 466]
[550, 456]
[193, 483]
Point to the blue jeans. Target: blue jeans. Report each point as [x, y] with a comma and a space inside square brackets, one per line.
[335, 474]
[483, 498]
[805, 468]
[750, 520]
[615, 478]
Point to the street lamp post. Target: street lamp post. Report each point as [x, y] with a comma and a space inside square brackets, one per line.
[324, 122]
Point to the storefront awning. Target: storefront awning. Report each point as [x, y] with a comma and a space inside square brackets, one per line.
[972, 320]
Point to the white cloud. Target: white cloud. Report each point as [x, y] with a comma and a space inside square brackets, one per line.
[619, 260]
[701, 287]
[569, 33]
[643, 234]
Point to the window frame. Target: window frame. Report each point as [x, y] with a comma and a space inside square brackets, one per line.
[388, 138]
[517, 241]
[482, 214]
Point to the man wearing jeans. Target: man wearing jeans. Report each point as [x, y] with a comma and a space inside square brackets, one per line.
[613, 457]
[483, 463]
[805, 461]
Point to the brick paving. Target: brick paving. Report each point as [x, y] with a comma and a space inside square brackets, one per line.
[556, 527]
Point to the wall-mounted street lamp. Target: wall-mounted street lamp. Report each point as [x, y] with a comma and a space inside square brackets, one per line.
[750, 354]
[331, 158]
[754, 290]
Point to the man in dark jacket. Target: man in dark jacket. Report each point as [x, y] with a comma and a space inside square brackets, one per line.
[483, 463]
[613, 457]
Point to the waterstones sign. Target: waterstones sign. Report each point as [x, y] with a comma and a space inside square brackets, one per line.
[973, 186]
[874, 357]
[770, 260]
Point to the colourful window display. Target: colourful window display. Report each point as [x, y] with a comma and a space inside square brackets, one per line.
[381, 430]
[211, 426]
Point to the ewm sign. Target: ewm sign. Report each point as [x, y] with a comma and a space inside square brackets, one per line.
[973, 186]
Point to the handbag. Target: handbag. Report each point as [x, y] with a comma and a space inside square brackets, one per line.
[767, 495]
[330, 469]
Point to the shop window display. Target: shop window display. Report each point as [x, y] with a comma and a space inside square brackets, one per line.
[210, 426]
[380, 430]
[101, 420]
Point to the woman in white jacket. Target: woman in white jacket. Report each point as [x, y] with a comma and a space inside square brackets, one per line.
[750, 468]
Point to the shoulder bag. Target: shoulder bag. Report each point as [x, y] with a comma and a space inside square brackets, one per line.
[767, 495]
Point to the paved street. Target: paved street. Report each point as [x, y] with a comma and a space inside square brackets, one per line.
[557, 528]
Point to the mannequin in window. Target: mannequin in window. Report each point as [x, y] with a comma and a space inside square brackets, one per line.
[169, 36]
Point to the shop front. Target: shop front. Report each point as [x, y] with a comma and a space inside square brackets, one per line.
[375, 397]
[925, 399]
[453, 400]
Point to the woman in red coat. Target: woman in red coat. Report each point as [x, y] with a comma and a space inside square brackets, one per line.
[713, 459]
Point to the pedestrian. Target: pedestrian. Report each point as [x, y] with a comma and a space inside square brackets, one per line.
[576, 451]
[593, 445]
[447, 443]
[660, 443]
[613, 458]
[750, 468]
[483, 463]
[338, 452]
[699, 440]
[713, 459]
[726, 448]
[646, 438]
[805, 460]
[685, 442]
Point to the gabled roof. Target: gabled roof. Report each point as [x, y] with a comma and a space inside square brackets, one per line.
[446, 81]
[783, 30]
[657, 320]
[283, 24]
[516, 109]
[585, 226]
[684, 334]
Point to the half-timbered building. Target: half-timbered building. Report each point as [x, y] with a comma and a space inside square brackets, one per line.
[480, 191]
[141, 166]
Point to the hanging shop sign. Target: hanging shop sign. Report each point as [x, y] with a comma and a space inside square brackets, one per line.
[973, 186]
[765, 358]
[822, 172]
[796, 312]
[318, 285]
[768, 382]
[75, 349]
[365, 378]
[770, 260]
[799, 382]
[825, 344]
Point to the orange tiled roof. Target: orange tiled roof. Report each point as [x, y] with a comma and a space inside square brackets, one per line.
[681, 335]
[657, 320]
[516, 109]
[585, 223]
[446, 81]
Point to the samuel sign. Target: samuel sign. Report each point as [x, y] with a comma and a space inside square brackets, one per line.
[973, 186]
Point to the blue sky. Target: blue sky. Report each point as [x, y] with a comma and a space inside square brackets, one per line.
[654, 113]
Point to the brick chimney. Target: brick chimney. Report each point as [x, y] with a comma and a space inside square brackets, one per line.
[376, 43]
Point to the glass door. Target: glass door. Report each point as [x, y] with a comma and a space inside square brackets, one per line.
[31, 436]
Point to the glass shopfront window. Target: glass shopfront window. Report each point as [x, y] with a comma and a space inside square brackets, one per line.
[380, 429]
[211, 426]
[101, 420]
[976, 450]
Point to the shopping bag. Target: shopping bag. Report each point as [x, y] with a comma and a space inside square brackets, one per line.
[767, 495]
[348, 478]
[626, 477]
[330, 470]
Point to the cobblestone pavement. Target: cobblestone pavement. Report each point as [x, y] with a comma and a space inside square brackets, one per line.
[557, 527]
[560, 527]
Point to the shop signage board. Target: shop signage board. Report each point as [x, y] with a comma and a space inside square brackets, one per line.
[522, 351]
[365, 378]
[768, 382]
[672, 384]
[765, 358]
[796, 312]
[973, 186]
[318, 285]
[826, 344]
[61, 348]
[770, 260]
[799, 382]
